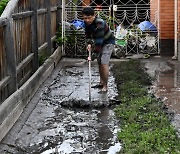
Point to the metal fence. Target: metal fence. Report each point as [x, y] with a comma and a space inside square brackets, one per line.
[125, 14]
[27, 28]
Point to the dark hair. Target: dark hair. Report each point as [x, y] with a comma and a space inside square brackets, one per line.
[88, 11]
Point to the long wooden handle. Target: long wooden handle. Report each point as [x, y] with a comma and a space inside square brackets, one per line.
[90, 76]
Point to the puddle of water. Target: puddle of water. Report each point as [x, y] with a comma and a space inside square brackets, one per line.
[71, 88]
[167, 85]
[52, 128]
[167, 88]
[74, 131]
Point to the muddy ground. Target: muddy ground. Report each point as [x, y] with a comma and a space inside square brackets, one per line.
[60, 118]
[166, 85]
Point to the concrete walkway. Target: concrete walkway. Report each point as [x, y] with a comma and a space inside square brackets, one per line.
[68, 86]
[46, 124]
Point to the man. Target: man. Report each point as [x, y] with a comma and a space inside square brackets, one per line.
[98, 30]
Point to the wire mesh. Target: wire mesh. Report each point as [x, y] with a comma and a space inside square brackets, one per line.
[123, 13]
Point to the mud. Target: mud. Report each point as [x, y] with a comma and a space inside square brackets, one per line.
[166, 85]
[63, 120]
[71, 88]
[60, 119]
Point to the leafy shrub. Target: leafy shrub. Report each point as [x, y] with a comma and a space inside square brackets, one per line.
[3, 4]
[43, 55]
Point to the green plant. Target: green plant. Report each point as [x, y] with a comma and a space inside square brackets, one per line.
[43, 55]
[3, 4]
[69, 38]
[145, 125]
[73, 41]
[75, 1]
[109, 19]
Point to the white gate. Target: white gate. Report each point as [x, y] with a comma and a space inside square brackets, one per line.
[135, 25]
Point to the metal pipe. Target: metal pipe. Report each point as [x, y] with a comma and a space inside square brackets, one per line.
[63, 25]
[159, 27]
[175, 29]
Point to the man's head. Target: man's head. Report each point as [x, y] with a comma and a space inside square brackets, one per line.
[88, 15]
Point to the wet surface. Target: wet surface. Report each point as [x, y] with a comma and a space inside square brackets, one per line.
[71, 88]
[60, 118]
[166, 85]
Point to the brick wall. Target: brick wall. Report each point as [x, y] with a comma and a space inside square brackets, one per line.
[166, 14]
[178, 30]
[167, 19]
[86, 2]
[167, 25]
[154, 10]
[179, 20]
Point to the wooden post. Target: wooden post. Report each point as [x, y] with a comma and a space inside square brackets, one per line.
[58, 15]
[34, 35]
[63, 25]
[10, 55]
[48, 25]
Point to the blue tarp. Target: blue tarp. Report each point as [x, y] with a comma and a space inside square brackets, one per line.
[147, 26]
[78, 23]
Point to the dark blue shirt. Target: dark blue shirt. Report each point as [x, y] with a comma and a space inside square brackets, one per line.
[100, 32]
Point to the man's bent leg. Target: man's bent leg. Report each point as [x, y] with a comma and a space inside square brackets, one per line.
[103, 61]
[101, 80]
[104, 74]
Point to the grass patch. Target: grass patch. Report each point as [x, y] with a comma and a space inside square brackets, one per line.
[145, 124]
